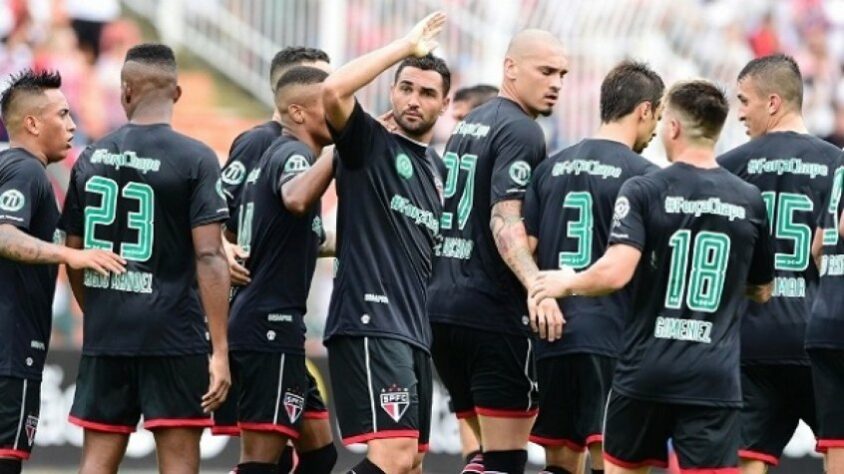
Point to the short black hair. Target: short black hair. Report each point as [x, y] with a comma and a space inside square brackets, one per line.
[27, 81]
[429, 62]
[626, 86]
[475, 95]
[154, 54]
[292, 56]
[304, 75]
[703, 104]
[777, 73]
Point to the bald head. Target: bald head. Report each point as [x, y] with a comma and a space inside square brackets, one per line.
[532, 42]
[533, 71]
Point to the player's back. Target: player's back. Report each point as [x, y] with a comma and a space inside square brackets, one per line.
[793, 171]
[703, 236]
[569, 208]
[139, 192]
[489, 158]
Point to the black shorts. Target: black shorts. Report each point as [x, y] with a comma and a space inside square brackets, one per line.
[225, 417]
[486, 373]
[572, 397]
[776, 398]
[636, 434]
[113, 392]
[828, 379]
[20, 403]
[276, 392]
[386, 387]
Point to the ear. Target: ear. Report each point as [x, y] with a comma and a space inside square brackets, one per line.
[446, 102]
[644, 110]
[177, 94]
[774, 104]
[510, 68]
[32, 125]
[296, 113]
[126, 93]
[674, 129]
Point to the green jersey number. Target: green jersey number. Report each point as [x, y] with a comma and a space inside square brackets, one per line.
[581, 229]
[781, 211]
[141, 220]
[454, 164]
[710, 255]
[830, 234]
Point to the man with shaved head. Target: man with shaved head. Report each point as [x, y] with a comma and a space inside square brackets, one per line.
[280, 229]
[482, 343]
[36, 114]
[154, 196]
[793, 169]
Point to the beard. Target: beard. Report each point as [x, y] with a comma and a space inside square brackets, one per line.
[420, 127]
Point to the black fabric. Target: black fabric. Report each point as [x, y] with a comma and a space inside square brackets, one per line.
[794, 172]
[140, 192]
[556, 470]
[366, 467]
[776, 398]
[10, 466]
[703, 234]
[569, 208]
[26, 295]
[828, 381]
[244, 154]
[256, 468]
[20, 404]
[388, 219]
[318, 461]
[510, 462]
[285, 462]
[486, 373]
[489, 157]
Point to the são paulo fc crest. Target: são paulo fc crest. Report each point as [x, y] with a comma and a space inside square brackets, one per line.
[293, 405]
[234, 173]
[403, 166]
[520, 172]
[12, 200]
[31, 427]
[395, 401]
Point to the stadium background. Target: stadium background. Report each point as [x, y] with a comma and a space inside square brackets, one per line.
[225, 47]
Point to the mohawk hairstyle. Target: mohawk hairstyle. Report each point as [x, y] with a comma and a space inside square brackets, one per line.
[429, 62]
[153, 54]
[27, 81]
[293, 56]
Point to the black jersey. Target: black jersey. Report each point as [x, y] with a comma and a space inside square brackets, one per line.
[26, 293]
[267, 314]
[139, 192]
[794, 173]
[826, 324]
[389, 206]
[569, 208]
[704, 236]
[244, 154]
[490, 157]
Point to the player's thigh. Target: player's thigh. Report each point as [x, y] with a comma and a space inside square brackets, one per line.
[171, 390]
[451, 352]
[20, 404]
[828, 381]
[503, 376]
[107, 396]
[380, 387]
[636, 433]
[177, 449]
[767, 420]
[706, 437]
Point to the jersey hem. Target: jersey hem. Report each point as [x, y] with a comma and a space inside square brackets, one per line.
[678, 400]
[327, 340]
[161, 353]
[272, 350]
[574, 351]
[479, 327]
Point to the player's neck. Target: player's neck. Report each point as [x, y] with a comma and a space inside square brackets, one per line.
[617, 132]
[513, 97]
[151, 114]
[697, 156]
[304, 137]
[790, 122]
[30, 148]
[423, 139]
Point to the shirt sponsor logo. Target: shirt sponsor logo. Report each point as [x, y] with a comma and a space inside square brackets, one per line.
[296, 164]
[38, 345]
[683, 329]
[373, 298]
[395, 401]
[12, 200]
[590, 167]
[520, 172]
[127, 159]
[403, 166]
[477, 130]
[234, 173]
[294, 404]
[786, 166]
[713, 206]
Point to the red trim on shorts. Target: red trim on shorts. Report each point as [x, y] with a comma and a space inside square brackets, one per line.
[635, 465]
[462, 415]
[496, 413]
[716, 470]
[14, 453]
[423, 448]
[225, 431]
[756, 455]
[270, 427]
[363, 438]
[103, 427]
[316, 415]
[823, 445]
[556, 442]
[594, 438]
[179, 423]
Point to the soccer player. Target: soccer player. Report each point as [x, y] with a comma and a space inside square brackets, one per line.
[36, 114]
[278, 400]
[794, 172]
[389, 192]
[467, 99]
[825, 330]
[153, 195]
[568, 208]
[691, 240]
[483, 349]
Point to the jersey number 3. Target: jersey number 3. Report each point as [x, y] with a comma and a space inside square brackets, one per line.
[104, 215]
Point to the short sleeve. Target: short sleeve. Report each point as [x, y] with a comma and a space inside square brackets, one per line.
[208, 203]
[518, 148]
[21, 192]
[532, 206]
[762, 264]
[628, 221]
[73, 212]
[293, 163]
[354, 142]
[245, 149]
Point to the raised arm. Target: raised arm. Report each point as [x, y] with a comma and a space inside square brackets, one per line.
[340, 87]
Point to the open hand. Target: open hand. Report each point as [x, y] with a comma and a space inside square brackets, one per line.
[101, 261]
[421, 37]
[237, 272]
[219, 383]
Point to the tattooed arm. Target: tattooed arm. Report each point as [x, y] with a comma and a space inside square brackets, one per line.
[21, 247]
